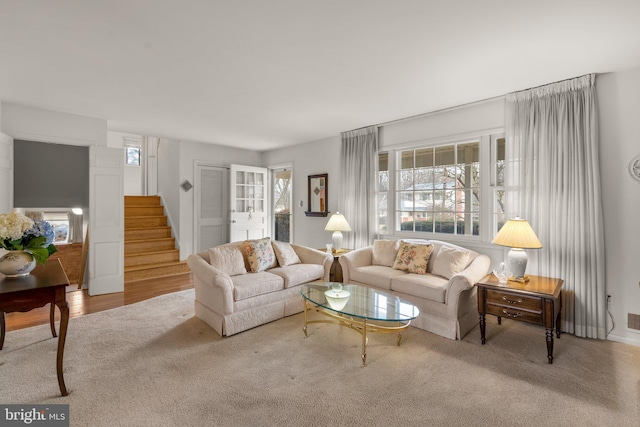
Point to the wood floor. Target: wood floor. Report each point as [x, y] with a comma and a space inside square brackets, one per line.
[80, 303]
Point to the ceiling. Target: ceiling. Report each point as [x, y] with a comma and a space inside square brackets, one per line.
[263, 74]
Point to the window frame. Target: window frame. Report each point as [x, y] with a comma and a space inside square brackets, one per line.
[486, 186]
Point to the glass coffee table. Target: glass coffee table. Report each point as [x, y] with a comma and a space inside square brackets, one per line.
[360, 308]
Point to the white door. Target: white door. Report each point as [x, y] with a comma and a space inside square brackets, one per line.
[212, 207]
[248, 188]
[6, 173]
[106, 220]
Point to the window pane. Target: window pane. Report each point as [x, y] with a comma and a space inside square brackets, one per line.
[500, 161]
[383, 162]
[405, 179]
[424, 157]
[405, 201]
[445, 155]
[133, 156]
[383, 181]
[423, 221]
[468, 153]
[424, 200]
[406, 159]
[382, 211]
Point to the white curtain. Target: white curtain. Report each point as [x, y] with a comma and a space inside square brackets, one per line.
[553, 180]
[358, 197]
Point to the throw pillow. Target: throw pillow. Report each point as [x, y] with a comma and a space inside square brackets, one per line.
[384, 252]
[413, 258]
[260, 255]
[285, 254]
[228, 260]
[449, 261]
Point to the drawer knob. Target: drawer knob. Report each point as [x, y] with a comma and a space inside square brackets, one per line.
[512, 315]
[518, 301]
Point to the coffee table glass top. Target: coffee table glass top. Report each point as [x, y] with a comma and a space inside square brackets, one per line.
[359, 301]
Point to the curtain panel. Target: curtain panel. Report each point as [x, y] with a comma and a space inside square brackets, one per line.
[553, 180]
[357, 194]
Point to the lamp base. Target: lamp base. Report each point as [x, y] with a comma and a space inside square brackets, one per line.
[336, 240]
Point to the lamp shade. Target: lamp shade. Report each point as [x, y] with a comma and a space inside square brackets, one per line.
[337, 222]
[517, 233]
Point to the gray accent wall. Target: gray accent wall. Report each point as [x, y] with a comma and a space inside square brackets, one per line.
[50, 175]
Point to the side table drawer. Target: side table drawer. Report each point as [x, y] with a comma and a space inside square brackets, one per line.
[524, 315]
[515, 301]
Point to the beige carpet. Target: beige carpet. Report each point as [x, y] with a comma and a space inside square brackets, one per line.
[155, 364]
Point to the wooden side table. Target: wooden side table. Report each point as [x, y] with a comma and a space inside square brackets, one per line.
[47, 284]
[335, 274]
[538, 301]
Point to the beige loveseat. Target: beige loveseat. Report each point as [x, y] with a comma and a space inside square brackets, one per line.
[445, 295]
[232, 300]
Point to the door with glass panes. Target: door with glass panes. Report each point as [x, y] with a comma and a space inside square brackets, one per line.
[248, 190]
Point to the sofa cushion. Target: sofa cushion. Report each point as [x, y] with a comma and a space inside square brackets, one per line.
[375, 275]
[413, 258]
[228, 260]
[260, 255]
[384, 252]
[450, 261]
[251, 285]
[285, 254]
[298, 274]
[425, 286]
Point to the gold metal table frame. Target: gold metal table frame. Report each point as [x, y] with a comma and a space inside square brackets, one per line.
[362, 325]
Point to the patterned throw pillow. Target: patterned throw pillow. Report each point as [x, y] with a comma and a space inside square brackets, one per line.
[260, 255]
[413, 258]
[285, 254]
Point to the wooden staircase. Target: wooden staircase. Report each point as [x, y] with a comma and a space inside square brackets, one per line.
[149, 249]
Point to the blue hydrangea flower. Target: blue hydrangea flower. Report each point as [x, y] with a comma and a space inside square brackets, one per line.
[42, 228]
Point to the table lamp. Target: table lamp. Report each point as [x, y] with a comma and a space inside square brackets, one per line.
[337, 223]
[518, 235]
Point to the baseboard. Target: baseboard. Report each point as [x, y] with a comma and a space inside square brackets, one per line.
[625, 340]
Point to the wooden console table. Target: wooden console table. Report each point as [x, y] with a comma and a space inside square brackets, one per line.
[538, 301]
[46, 284]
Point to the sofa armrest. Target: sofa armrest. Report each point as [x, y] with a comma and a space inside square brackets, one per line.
[351, 260]
[476, 270]
[313, 256]
[205, 274]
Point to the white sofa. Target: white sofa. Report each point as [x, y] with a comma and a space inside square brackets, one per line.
[448, 305]
[237, 302]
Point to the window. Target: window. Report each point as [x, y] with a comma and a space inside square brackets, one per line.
[60, 223]
[498, 163]
[438, 189]
[132, 154]
[383, 190]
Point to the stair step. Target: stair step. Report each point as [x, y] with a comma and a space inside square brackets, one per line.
[131, 211]
[151, 258]
[141, 201]
[142, 272]
[145, 221]
[147, 233]
[148, 245]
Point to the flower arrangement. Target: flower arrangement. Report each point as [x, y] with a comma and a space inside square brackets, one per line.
[20, 233]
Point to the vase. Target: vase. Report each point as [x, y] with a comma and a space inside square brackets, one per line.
[17, 263]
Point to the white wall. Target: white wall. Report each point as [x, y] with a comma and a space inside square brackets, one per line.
[35, 124]
[476, 117]
[177, 164]
[619, 109]
[311, 158]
